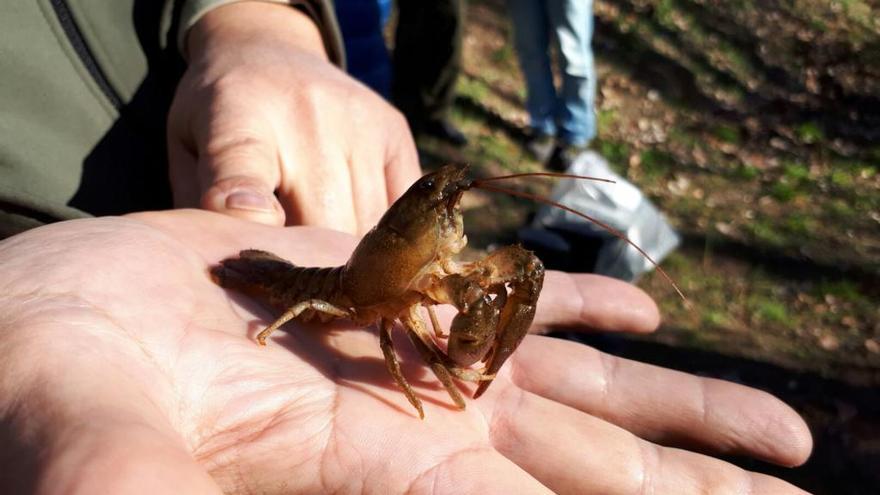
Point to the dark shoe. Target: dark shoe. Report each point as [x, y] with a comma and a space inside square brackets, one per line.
[540, 146]
[564, 156]
[443, 129]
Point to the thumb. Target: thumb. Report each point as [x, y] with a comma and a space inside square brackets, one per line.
[238, 178]
[127, 457]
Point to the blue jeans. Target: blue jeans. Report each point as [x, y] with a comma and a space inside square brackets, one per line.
[569, 113]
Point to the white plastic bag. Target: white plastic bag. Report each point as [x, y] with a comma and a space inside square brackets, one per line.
[621, 206]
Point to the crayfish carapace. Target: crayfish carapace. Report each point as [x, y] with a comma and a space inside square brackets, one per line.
[407, 261]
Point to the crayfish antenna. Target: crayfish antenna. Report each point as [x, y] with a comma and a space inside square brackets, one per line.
[541, 174]
[481, 184]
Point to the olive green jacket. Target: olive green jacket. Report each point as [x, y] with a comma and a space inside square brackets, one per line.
[85, 86]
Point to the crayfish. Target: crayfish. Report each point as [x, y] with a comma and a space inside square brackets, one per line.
[403, 263]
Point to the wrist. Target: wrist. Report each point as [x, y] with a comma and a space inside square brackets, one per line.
[231, 25]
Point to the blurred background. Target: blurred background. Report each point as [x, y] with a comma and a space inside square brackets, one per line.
[755, 127]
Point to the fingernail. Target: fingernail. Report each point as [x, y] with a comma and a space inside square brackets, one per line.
[249, 200]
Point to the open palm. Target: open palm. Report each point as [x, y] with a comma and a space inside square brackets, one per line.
[128, 371]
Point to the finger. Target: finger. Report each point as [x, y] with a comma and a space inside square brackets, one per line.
[320, 193]
[572, 452]
[369, 196]
[384, 159]
[368, 173]
[316, 183]
[661, 405]
[238, 166]
[402, 160]
[579, 301]
[477, 471]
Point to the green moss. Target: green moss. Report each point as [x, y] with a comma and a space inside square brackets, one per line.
[783, 191]
[656, 163]
[810, 133]
[841, 178]
[818, 25]
[766, 233]
[842, 289]
[493, 149]
[473, 88]
[682, 137]
[747, 172]
[665, 13]
[840, 209]
[616, 152]
[728, 134]
[606, 118]
[800, 225]
[715, 318]
[796, 171]
[770, 311]
[504, 54]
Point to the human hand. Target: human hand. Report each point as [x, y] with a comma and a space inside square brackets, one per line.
[261, 110]
[127, 370]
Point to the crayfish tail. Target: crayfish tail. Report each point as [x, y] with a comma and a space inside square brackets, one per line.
[251, 267]
[257, 273]
[280, 283]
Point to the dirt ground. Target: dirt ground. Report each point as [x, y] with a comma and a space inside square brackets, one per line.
[755, 127]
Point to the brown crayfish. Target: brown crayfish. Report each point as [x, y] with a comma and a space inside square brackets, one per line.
[403, 263]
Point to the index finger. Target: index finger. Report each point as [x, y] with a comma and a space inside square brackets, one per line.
[401, 161]
[319, 193]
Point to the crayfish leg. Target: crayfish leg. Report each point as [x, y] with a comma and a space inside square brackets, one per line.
[438, 330]
[469, 375]
[393, 365]
[418, 334]
[296, 310]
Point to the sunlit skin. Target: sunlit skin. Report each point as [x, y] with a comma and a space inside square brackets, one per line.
[261, 109]
[127, 370]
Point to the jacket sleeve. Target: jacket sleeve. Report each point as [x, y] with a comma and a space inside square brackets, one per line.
[321, 11]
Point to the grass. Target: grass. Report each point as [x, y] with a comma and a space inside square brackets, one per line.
[655, 164]
[747, 172]
[769, 311]
[796, 172]
[783, 191]
[727, 133]
[810, 133]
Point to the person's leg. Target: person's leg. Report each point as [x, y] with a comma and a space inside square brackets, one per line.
[572, 21]
[531, 31]
[427, 58]
[361, 23]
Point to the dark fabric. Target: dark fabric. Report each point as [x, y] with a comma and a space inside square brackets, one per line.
[85, 87]
[367, 57]
[83, 97]
[427, 57]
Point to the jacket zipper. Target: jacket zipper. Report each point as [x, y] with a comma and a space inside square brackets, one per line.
[75, 37]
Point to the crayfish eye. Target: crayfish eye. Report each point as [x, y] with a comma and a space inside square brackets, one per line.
[428, 183]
